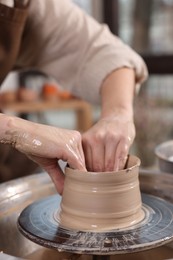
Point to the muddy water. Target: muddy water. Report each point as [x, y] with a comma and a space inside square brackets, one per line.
[160, 253]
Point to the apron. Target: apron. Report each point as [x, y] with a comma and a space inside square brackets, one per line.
[13, 164]
[12, 22]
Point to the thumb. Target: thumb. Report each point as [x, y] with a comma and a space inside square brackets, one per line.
[57, 176]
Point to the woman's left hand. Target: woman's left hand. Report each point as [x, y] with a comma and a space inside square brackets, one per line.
[106, 145]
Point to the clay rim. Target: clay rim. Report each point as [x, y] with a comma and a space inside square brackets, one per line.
[124, 171]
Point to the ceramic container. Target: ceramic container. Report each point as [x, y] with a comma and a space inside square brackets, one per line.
[102, 200]
[164, 154]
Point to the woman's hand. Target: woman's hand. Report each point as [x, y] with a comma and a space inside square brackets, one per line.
[45, 145]
[106, 145]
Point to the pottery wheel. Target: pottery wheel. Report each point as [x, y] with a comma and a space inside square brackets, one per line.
[38, 223]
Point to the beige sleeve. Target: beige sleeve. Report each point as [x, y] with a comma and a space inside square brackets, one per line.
[64, 42]
[9, 3]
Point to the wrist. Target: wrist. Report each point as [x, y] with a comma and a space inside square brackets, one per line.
[123, 111]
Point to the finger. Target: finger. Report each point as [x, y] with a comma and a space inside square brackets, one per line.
[57, 177]
[121, 154]
[98, 154]
[80, 148]
[74, 158]
[74, 153]
[76, 163]
[110, 155]
[88, 156]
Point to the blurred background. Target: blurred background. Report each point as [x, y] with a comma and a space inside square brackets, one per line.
[147, 27]
[144, 25]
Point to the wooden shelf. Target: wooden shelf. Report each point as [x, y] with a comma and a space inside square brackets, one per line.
[82, 109]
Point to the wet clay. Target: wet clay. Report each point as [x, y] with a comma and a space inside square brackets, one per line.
[101, 201]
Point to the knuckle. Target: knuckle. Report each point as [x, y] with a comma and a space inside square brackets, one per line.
[85, 139]
[124, 139]
[112, 135]
[100, 136]
[77, 135]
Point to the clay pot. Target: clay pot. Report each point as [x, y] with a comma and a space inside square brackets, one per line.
[101, 201]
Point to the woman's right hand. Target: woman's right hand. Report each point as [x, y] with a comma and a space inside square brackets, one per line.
[45, 145]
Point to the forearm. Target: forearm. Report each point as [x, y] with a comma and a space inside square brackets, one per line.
[4, 122]
[45, 145]
[117, 93]
[13, 129]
